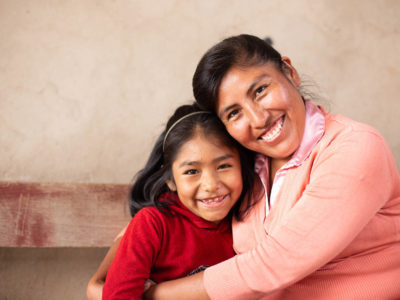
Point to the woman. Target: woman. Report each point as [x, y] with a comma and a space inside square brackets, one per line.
[329, 226]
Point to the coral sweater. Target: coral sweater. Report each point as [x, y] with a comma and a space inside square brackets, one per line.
[333, 231]
[165, 247]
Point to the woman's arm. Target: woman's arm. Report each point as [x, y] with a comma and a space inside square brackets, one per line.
[94, 290]
[190, 287]
[348, 185]
[350, 181]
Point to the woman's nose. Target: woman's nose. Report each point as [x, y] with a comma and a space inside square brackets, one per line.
[257, 116]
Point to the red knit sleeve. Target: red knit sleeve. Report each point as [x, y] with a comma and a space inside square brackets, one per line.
[135, 256]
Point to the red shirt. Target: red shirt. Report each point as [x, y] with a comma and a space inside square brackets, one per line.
[163, 247]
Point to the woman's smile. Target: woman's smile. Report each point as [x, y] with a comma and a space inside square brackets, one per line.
[274, 131]
[262, 109]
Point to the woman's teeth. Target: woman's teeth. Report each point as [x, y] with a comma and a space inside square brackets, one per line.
[274, 131]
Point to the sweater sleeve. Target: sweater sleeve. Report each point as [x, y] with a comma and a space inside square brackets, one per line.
[134, 258]
[351, 179]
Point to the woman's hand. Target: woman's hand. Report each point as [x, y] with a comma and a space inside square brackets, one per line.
[190, 287]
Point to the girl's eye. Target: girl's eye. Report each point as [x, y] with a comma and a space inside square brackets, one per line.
[191, 172]
[224, 166]
[259, 90]
[232, 114]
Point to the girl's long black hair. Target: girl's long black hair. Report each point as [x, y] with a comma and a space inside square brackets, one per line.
[150, 182]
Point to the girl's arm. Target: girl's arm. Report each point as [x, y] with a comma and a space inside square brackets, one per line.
[94, 290]
[134, 258]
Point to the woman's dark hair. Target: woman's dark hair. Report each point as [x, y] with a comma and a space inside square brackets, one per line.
[150, 182]
[243, 51]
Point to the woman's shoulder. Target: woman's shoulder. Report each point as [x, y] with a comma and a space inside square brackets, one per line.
[338, 123]
[339, 128]
[355, 142]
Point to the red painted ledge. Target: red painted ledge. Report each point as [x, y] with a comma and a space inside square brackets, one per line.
[61, 214]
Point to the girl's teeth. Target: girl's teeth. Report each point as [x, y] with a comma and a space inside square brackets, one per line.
[211, 200]
[274, 131]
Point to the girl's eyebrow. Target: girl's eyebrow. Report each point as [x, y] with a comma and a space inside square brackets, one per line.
[223, 157]
[188, 163]
[194, 162]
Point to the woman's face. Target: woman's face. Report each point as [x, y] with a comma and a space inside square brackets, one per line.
[262, 108]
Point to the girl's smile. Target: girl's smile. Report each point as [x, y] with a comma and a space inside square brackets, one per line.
[207, 177]
[213, 202]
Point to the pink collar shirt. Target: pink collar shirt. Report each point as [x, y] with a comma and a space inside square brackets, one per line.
[313, 132]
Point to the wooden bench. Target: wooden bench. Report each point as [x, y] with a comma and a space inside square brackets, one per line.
[61, 214]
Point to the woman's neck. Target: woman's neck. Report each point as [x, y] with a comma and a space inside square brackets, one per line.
[274, 165]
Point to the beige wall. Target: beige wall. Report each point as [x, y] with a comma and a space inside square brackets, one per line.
[85, 85]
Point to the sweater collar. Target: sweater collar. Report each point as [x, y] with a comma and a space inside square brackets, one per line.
[177, 207]
[313, 131]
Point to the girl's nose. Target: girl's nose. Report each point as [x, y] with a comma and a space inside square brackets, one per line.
[210, 181]
[257, 115]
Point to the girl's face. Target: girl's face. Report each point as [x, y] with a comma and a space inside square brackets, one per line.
[207, 177]
[262, 109]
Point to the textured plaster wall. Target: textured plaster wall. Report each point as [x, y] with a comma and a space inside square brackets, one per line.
[86, 86]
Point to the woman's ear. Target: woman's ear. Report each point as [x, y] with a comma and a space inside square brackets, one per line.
[171, 185]
[290, 72]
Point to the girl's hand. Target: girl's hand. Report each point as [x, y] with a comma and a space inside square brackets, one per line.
[148, 284]
[94, 290]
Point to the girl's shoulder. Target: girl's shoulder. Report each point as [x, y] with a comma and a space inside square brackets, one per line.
[162, 213]
[148, 221]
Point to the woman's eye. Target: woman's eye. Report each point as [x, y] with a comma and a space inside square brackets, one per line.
[232, 114]
[259, 90]
[190, 172]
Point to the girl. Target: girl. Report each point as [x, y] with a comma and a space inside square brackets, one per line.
[196, 177]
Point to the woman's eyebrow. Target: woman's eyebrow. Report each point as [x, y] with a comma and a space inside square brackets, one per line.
[255, 83]
[248, 93]
[226, 109]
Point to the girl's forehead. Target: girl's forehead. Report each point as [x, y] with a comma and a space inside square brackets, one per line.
[201, 145]
[201, 138]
